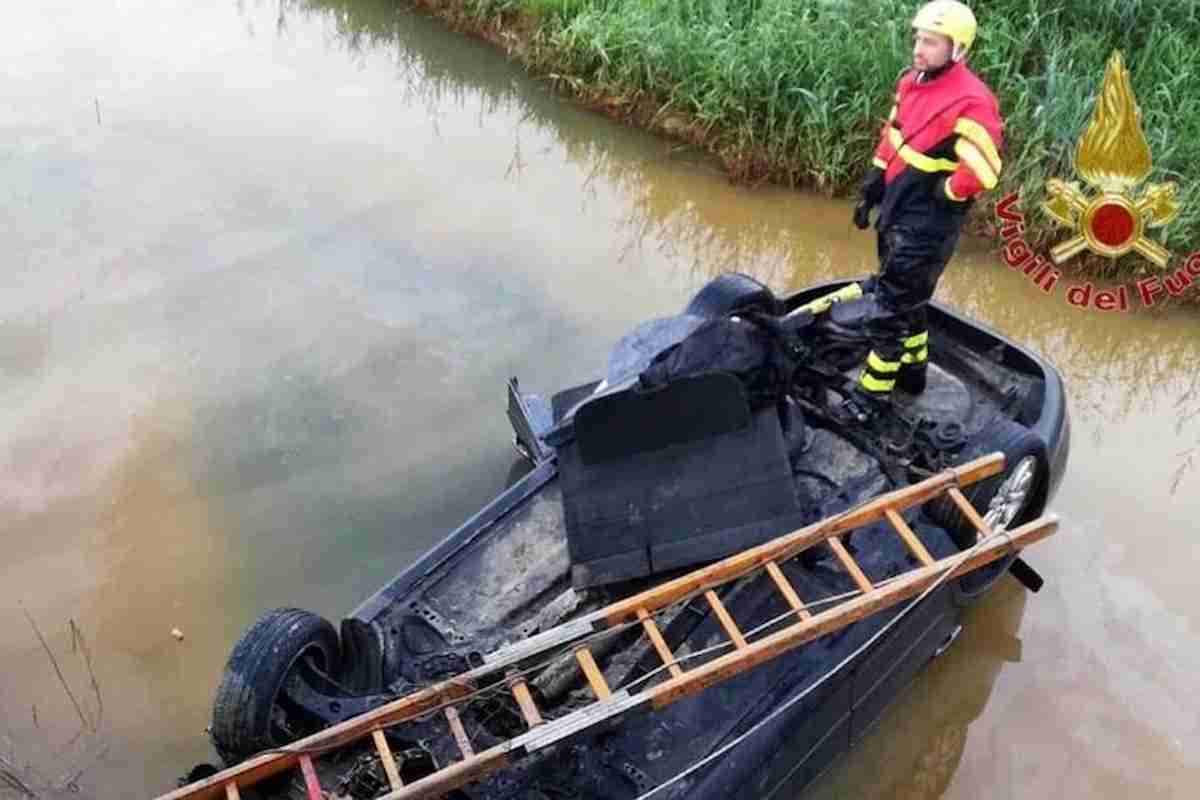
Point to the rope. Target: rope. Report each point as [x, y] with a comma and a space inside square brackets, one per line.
[966, 554]
[500, 686]
[725, 645]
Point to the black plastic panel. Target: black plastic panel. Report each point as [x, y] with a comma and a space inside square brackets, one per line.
[676, 505]
[684, 412]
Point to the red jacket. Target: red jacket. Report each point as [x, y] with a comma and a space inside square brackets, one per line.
[949, 125]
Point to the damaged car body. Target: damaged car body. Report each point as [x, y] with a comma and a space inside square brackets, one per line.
[709, 433]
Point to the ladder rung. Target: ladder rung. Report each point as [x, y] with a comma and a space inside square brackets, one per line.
[849, 563]
[311, 784]
[789, 545]
[642, 606]
[529, 710]
[910, 538]
[660, 644]
[904, 586]
[968, 511]
[727, 622]
[385, 755]
[594, 676]
[787, 590]
[450, 777]
[460, 733]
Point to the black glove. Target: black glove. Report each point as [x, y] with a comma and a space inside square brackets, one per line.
[872, 187]
[869, 196]
[862, 215]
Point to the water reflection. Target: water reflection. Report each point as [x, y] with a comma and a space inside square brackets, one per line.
[1131, 380]
[664, 209]
[114, 568]
[1117, 365]
[260, 316]
[915, 750]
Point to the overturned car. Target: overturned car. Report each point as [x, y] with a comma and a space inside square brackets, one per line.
[711, 431]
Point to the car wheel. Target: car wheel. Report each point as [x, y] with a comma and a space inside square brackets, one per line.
[1010, 498]
[730, 292]
[251, 712]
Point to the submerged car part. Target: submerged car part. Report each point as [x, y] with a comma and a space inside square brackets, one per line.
[747, 648]
[484, 590]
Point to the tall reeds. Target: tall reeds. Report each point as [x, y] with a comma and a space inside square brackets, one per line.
[797, 91]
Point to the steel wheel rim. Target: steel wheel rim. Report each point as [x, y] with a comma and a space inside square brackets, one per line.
[1011, 496]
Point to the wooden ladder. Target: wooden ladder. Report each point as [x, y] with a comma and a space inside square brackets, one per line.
[746, 652]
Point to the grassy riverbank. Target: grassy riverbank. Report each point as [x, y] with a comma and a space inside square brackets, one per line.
[796, 92]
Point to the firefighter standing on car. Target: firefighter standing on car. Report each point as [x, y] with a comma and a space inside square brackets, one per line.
[939, 149]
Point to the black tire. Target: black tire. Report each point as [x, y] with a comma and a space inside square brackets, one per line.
[1017, 442]
[248, 706]
[730, 292]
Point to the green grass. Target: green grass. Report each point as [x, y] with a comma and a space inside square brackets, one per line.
[797, 91]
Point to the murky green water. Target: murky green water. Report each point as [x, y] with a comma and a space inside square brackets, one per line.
[267, 268]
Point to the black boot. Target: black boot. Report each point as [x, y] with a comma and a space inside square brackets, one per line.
[910, 378]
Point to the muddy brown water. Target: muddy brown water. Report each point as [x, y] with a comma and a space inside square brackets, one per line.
[267, 268]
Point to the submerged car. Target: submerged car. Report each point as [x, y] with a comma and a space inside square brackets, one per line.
[664, 463]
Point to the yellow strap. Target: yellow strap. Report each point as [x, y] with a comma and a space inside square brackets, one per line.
[919, 357]
[978, 164]
[920, 160]
[873, 384]
[916, 340]
[877, 161]
[879, 365]
[965, 126]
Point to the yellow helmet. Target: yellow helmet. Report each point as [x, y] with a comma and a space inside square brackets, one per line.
[949, 18]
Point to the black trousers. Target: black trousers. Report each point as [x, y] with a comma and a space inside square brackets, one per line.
[911, 261]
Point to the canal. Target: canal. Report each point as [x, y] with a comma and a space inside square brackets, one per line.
[268, 266]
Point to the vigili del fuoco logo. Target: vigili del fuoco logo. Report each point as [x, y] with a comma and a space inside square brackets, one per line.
[1112, 216]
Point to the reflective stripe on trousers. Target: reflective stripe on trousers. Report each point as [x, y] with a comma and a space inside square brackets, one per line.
[915, 348]
[879, 374]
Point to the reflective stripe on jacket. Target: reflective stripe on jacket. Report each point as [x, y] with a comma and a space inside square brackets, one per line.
[949, 125]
